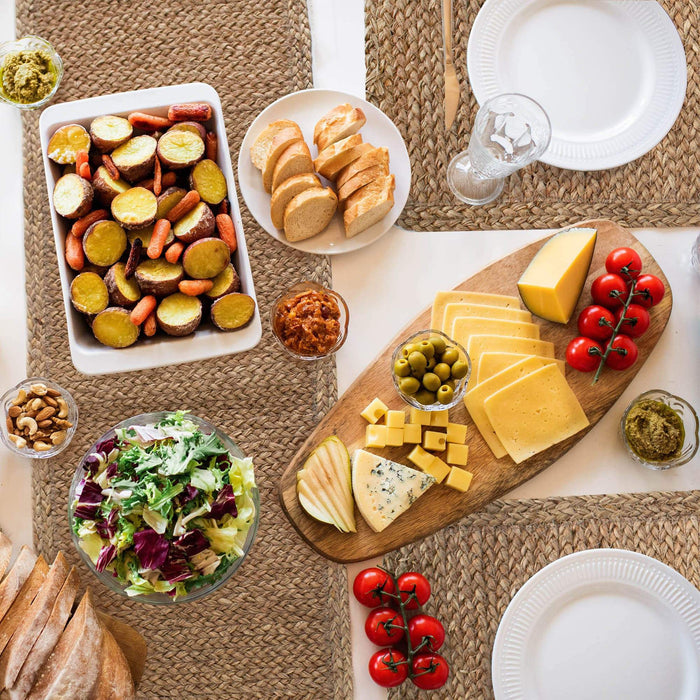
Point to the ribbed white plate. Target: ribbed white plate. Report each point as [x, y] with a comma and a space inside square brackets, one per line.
[602, 624]
[611, 74]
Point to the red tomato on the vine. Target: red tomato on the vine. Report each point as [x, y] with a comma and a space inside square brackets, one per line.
[649, 290]
[370, 587]
[388, 667]
[426, 628]
[384, 626]
[429, 671]
[623, 354]
[609, 291]
[636, 320]
[624, 262]
[583, 354]
[596, 322]
[414, 589]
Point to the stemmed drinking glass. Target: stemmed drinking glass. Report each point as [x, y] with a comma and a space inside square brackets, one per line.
[510, 132]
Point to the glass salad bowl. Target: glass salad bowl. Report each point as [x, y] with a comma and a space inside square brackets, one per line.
[164, 508]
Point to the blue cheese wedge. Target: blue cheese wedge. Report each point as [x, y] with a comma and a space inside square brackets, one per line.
[384, 489]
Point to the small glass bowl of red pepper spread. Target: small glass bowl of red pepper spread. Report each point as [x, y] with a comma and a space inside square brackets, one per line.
[310, 321]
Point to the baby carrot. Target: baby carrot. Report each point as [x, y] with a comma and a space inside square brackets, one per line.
[185, 205]
[157, 178]
[211, 144]
[84, 171]
[83, 224]
[167, 180]
[190, 111]
[227, 231]
[75, 256]
[160, 234]
[80, 158]
[143, 309]
[174, 251]
[111, 167]
[193, 288]
[148, 122]
[149, 325]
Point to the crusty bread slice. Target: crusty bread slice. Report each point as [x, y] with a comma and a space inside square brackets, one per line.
[115, 679]
[333, 159]
[309, 213]
[284, 194]
[15, 579]
[281, 141]
[258, 151]
[341, 122]
[364, 177]
[374, 156]
[367, 206]
[295, 160]
[5, 554]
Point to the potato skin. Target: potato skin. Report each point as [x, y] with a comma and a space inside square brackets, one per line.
[116, 296]
[104, 189]
[159, 287]
[203, 228]
[85, 204]
[183, 329]
[190, 126]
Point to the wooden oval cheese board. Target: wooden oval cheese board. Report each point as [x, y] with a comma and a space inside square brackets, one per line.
[440, 505]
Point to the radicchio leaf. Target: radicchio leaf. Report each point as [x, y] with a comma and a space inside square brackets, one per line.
[189, 494]
[111, 470]
[105, 446]
[175, 567]
[107, 528]
[91, 463]
[107, 554]
[192, 542]
[225, 503]
[89, 498]
[151, 548]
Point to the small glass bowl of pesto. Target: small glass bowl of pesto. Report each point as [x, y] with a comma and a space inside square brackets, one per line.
[30, 72]
[660, 430]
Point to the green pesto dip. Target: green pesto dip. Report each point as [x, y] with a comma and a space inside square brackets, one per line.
[654, 431]
[27, 76]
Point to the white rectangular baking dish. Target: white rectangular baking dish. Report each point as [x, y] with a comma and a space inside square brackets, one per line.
[88, 355]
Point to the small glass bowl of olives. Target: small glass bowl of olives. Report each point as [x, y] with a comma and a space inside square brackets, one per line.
[430, 370]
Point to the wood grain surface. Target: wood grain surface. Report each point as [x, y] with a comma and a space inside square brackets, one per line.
[440, 505]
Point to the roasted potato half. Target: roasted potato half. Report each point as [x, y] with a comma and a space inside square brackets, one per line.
[109, 132]
[104, 243]
[159, 277]
[122, 292]
[179, 314]
[180, 149]
[88, 293]
[113, 327]
[232, 311]
[135, 208]
[135, 158]
[198, 223]
[105, 187]
[194, 127]
[66, 142]
[72, 196]
[145, 235]
[226, 282]
[205, 258]
[206, 177]
[168, 199]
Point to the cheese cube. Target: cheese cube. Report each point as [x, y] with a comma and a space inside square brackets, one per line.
[456, 432]
[457, 454]
[434, 441]
[395, 419]
[437, 469]
[459, 479]
[375, 436]
[412, 434]
[394, 437]
[419, 417]
[439, 419]
[420, 457]
[374, 411]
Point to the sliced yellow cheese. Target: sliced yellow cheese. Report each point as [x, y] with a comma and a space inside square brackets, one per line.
[442, 299]
[491, 363]
[552, 282]
[475, 398]
[453, 311]
[534, 413]
[464, 328]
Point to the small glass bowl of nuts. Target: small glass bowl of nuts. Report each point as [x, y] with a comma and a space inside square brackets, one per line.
[40, 418]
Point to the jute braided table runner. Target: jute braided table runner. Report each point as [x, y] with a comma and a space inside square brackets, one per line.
[405, 79]
[279, 627]
[477, 565]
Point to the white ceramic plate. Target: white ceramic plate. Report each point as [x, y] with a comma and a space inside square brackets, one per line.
[611, 74]
[89, 356]
[608, 624]
[306, 108]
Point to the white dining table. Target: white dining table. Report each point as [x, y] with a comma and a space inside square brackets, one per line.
[385, 286]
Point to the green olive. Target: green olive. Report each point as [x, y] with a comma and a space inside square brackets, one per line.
[402, 368]
[445, 394]
[442, 370]
[431, 381]
[425, 397]
[439, 344]
[418, 361]
[450, 356]
[407, 349]
[451, 383]
[426, 347]
[431, 363]
[460, 369]
[409, 385]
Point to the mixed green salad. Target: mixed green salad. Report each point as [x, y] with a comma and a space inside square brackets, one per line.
[165, 507]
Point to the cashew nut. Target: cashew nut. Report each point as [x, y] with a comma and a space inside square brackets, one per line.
[58, 437]
[29, 423]
[19, 441]
[40, 446]
[35, 404]
[21, 398]
[63, 407]
[39, 389]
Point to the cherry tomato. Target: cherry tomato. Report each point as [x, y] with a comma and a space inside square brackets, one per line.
[609, 291]
[624, 262]
[414, 589]
[370, 586]
[425, 627]
[429, 671]
[624, 352]
[388, 667]
[636, 320]
[384, 626]
[596, 322]
[583, 354]
[649, 290]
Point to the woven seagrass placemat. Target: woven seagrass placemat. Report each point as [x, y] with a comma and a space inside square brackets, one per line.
[476, 566]
[279, 627]
[403, 45]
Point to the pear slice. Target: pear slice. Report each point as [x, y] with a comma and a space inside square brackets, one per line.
[324, 485]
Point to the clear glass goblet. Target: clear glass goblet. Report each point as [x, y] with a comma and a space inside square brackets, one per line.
[510, 132]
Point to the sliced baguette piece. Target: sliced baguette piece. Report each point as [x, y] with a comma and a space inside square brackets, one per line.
[258, 151]
[115, 679]
[295, 160]
[368, 205]
[309, 213]
[342, 121]
[132, 644]
[280, 142]
[331, 160]
[5, 553]
[364, 177]
[373, 156]
[15, 579]
[285, 192]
